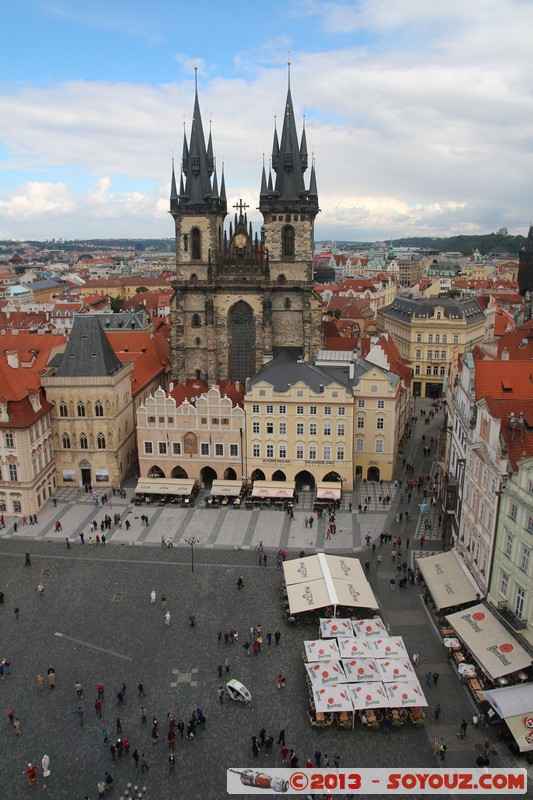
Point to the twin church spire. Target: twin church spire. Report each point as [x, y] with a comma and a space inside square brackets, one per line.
[198, 174]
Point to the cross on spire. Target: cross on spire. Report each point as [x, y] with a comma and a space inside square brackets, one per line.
[241, 206]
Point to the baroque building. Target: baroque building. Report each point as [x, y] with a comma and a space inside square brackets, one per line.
[240, 296]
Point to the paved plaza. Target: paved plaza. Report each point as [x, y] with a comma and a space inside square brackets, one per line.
[95, 623]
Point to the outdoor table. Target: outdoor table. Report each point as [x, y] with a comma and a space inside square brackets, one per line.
[475, 685]
[458, 656]
[466, 670]
[453, 644]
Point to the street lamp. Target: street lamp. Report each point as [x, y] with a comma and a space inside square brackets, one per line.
[192, 540]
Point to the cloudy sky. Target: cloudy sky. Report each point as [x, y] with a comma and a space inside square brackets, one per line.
[419, 113]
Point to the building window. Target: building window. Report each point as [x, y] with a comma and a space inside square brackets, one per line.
[299, 451]
[428, 370]
[204, 449]
[444, 339]
[380, 423]
[256, 450]
[255, 408]
[341, 411]
[437, 339]
[443, 354]
[513, 511]
[299, 409]
[327, 411]
[373, 387]
[456, 339]
[287, 241]
[66, 441]
[340, 429]
[418, 354]
[282, 451]
[234, 450]
[270, 451]
[219, 449]
[381, 403]
[312, 429]
[81, 409]
[299, 393]
[270, 427]
[196, 244]
[530, 524]
[269, 408]
[98, 409]
[148, 448]
[519, 602]
[288, 303]
[340, 453]
[360, 445]
[100, 441]
[443, 371]
[299, 429]
[435, 371]
[162, 448]
[418, 337]
[282, 428]
[312, 453]
[256, 426]
[9, 440]
[508, 546]
[262, 393]
[417, 369]
[430, 338]
[524, 559]
[504, 582]
[530, 487]
[63, 410]
[176, 448]
[83, 441]
[282, 409]
[13, 473]
[379, 445]
[327, 429]
[430, 354]
[361, 403]
[313, 410]
[360, 422]
[326, 453]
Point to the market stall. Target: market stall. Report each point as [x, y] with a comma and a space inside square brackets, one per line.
[169, 489]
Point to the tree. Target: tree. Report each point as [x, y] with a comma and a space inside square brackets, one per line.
[116, 304]
[140, 289]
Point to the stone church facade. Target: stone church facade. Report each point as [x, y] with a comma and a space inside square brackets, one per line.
[241, 296]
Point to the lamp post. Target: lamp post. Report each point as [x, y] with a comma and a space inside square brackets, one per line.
[192, 540]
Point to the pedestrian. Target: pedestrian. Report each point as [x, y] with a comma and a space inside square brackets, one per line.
[326, 760]
[240, 583]
[336, 760]
[98, 708]
[171, 761]
[379, 559]
[435, 678]
[181, 727]
[318, 756]
[120, 698]
[17, 612]
[144, 764]
[220, 693]
[16, 726]
[105, 736]
[82, 537]
[152, 596]
[68, 543]
[281, 736]
[51, 677]
[255, 746]
[429, 676]
[284, 753]
[281, 681]
[461, 733]
[269, 638]
[79, 689]
[135, 756]
[264, 559]
[101, 788]
[167, 618]
[140, 688]
[219, 637]
[119, 725]
[40, 681]
[27, 563]
[277, 636]
[220, 669]
[262, 736]
[442, 751]
[475, 721]
[437, 711]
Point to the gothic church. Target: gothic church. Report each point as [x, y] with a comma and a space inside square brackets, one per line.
[241, 296]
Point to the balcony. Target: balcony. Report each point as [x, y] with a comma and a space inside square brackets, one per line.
[515, 622]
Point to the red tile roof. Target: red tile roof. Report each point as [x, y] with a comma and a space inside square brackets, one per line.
[504, 380]
[519, 442]
[518, 343]
[149, 353]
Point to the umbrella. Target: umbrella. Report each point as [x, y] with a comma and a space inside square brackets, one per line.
[333, 698]
[321, 650]
[468, 670]
[335, 628]
[406, 694]
[354, 648]
[388, 647]
[395, 669]
[453, 644]
[369, 627]
[359, 670]
[324, 673]
[369, 695]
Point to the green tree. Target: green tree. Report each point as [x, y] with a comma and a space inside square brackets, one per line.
[116, 304]
[140, 289]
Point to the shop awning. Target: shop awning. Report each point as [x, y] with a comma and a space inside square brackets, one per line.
[495, 649]
[332, 581]
[274, 490]
[447, 580]
[328, 491]
[514, 704]
[169, 486]
[226, 488]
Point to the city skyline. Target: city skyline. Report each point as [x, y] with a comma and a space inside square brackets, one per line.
[419, 117]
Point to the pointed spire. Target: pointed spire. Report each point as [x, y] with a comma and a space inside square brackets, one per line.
[214, 192]
[275, 147]
[173, 189]
[185, 154]
[289, 180]
[223, 185]
[263, 179]
[303, 149]
[182, 187]
[210, 158]
[197, 167]
[313, 191]
[270, 187]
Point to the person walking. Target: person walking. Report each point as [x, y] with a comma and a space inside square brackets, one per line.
[226, 665]
[240, 583]
[435, 678]
[153, 597]
[281, 681]
[27, 563]
[144, 764]
[336, 760]
[317, 756]
[119, 725]
[437, 711]
[98, 708]
[415, 659]
[220, 692]
[442, 751]
[140, 688]
[462, 729]
[135, 756]
[277, 637]
[101, 789]
[79, 689]
[429, 676]
[40, 681]
[16, 726]
[281, 736]
[255, 746]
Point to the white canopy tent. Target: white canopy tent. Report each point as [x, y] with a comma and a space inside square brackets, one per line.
[514, 704]
[448, 579]
[369, 627]
[307, 596]
[359, 670]
[495, 649]
[406, 694]
[324, 673]
[369, 695]
[226, 488]
[321, 650]
[388, 647]
[335, 628]
[392, 670]
[166, 486]
[333, 698]
[355, 648]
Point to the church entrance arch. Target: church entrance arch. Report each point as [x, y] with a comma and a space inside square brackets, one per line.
[241, 336]
[156, 472]
[85, 468]
[230, 474]
[258, 475]
[372, 474]
[279, 475]
[304, 480]
[207, 476]
[178, 472]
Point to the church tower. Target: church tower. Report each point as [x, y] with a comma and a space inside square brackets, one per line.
[239, 296]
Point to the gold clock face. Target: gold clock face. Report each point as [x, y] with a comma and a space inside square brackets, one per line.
[240, 240]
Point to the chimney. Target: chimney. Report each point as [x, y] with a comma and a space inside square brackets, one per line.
[351, 371]
[505, 354]
[12, 358]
